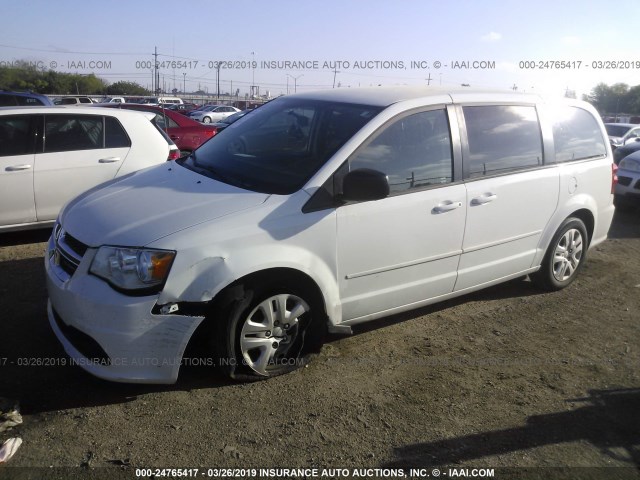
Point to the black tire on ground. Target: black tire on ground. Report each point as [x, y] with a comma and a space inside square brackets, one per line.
[268, 331]
[565, 256]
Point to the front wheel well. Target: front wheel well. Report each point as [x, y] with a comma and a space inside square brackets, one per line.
[235, 291]
[272, 276]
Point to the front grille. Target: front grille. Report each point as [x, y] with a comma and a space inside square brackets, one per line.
[75, 244]
[82, 342]
[624, 181]
[69, 250]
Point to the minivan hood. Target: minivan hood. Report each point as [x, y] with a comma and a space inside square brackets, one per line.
[150, 204]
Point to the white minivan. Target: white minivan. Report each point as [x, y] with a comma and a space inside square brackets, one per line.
[319, 211]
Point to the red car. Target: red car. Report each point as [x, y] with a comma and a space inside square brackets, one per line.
[186, 133]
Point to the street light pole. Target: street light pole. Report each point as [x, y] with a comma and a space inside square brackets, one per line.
[184, 82]
[295, 82]
[253, 73]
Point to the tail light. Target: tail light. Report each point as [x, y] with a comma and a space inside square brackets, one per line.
[614, 176]
[210, 133]
[174, 154]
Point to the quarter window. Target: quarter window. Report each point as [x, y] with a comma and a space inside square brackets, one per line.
[115, 136]
[164, 122]
[502, 139]
[414, 152]
[576, 135]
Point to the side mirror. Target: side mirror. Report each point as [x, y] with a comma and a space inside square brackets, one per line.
[365, 184]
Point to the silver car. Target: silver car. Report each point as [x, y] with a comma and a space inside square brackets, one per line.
[622, 133]
[627, 191]
[212, 113]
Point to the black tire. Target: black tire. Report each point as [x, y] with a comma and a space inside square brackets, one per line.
[565, 256]
[286, 347]
[206, 120]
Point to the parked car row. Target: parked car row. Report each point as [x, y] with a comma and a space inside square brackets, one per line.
[625, 143]
[48, 155]
[186, 133]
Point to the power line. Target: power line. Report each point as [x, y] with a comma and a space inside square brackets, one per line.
[71, 51]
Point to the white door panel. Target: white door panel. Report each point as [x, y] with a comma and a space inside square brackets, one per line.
[399, 250]
[61, 176]
[16, 190]
[505, 218]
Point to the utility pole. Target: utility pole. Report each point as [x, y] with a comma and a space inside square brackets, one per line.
[335, 71]
[428, 79]
[514, 88]
[184, 82]
[253, 73]
[295, 81]
[157, 75]
[218, 82]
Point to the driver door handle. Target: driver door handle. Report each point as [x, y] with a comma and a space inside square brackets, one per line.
[109, 160]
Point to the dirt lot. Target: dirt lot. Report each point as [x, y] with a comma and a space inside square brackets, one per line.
[507, 377]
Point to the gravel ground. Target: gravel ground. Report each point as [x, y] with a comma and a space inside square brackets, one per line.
[506, 377]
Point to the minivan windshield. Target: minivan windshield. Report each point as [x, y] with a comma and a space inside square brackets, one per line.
[281, 145]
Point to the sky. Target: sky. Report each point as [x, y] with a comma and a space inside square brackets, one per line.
[280, 46]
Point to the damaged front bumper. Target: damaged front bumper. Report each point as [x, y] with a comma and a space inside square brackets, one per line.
[109, 334]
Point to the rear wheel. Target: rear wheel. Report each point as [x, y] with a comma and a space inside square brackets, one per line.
[565, 256]
[206, 120]
[268, 332]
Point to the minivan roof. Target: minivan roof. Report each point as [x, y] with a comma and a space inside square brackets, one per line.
[385, 96]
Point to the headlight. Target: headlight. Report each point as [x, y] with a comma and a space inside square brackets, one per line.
[132, 268]
[630, 164]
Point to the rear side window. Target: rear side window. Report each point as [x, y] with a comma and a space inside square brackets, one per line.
[414, 152]
[502, 139]
[8, 101]
[14, 136]
[576, 135]
[115, 136]
[65, 133]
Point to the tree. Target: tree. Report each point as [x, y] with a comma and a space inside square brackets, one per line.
[24, 76]
[615, 99]
[126, 88]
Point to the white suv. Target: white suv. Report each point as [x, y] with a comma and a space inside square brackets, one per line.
[324, 210]
[48, 155]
